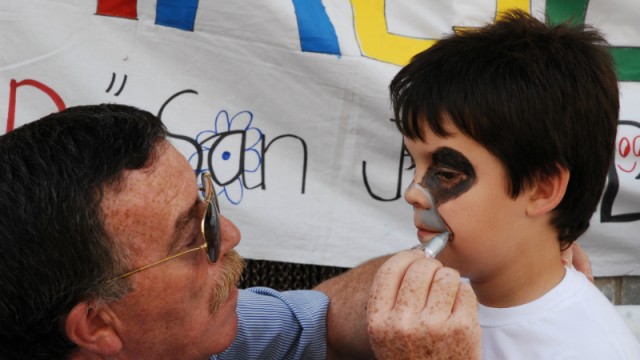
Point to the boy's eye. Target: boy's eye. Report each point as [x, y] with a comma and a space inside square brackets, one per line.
[449, 178]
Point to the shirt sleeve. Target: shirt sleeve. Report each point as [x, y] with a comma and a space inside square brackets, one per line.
[277, 325]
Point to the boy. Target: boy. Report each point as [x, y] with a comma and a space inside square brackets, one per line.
[511, 128]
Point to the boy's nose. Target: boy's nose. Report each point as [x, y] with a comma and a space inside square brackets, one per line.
[415, 196]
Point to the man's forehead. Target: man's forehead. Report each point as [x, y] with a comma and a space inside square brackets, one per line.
[150, 200]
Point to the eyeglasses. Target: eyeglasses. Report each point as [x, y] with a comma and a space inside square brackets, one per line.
[210, 227]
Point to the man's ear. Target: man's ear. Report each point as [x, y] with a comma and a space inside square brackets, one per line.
[548, 192]
[90, 327]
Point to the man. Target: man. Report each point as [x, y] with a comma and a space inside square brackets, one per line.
[109, 249]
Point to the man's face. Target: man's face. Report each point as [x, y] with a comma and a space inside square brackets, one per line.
[469, 188]
[171, 312]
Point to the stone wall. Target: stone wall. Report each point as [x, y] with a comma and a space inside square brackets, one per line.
[620, 290]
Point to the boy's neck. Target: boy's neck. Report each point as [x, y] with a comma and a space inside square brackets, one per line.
[535, 272]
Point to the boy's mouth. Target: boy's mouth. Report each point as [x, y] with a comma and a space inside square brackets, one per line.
[429, 223]
[434, 246]
[426, 234]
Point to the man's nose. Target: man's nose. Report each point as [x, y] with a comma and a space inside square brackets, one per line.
[229, 234]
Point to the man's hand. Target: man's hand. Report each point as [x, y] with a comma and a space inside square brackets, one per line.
[574, 255]
[420, 310]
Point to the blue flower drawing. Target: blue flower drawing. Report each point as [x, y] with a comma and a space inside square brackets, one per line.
[230, 149]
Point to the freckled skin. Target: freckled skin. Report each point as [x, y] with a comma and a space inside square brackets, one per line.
[186, 307]
[419, 310]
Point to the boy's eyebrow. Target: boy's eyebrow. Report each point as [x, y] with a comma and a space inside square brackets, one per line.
[428, 154]
[452, 157]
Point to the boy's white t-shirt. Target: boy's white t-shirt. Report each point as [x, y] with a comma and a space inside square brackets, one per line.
[572, 321]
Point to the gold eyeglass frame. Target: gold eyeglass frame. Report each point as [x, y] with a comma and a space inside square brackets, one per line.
[212, 214]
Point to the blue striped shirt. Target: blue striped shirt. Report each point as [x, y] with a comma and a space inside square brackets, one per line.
[276, 325]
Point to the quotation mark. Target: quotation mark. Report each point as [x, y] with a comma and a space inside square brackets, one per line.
[113, 80]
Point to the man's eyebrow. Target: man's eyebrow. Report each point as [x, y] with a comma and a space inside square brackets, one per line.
[182, 223]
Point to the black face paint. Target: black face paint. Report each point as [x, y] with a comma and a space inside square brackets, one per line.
[449, 175]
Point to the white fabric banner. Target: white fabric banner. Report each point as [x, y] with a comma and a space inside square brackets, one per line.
[286, 102]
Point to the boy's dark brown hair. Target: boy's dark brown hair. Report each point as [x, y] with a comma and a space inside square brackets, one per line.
[536, 96]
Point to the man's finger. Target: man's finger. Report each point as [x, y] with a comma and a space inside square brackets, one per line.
[581, 261]
[412, 295]
[466, 303]
[442, 295]
[386, 283]
[567, 256]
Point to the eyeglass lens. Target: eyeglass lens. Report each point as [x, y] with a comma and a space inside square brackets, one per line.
[211, 219]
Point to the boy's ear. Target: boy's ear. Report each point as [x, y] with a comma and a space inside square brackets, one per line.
[548, 192]
[90, 327]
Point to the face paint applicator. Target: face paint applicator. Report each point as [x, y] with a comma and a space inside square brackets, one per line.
[432, 219]
[435, 245]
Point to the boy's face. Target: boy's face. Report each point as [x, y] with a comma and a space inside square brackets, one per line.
[469, 188]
